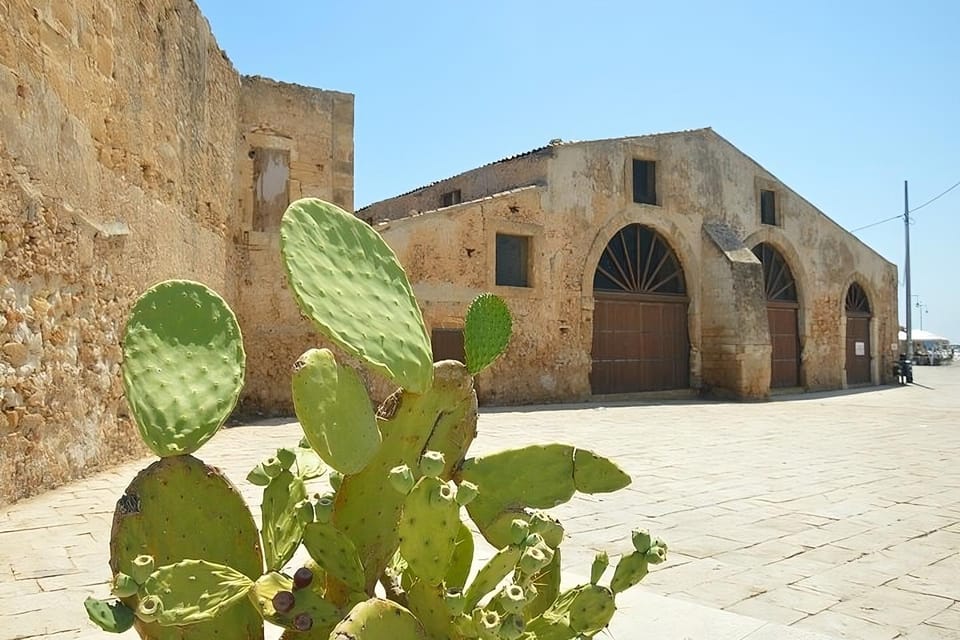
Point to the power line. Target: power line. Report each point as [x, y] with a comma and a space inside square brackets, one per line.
[917, 208]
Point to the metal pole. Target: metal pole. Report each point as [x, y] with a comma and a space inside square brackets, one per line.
[906, 270]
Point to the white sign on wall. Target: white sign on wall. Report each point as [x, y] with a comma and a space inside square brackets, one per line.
[859, 348]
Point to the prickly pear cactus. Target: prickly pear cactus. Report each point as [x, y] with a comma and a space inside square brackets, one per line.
[389, 552]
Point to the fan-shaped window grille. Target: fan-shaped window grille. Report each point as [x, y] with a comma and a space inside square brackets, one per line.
[638, 260]
[777, 278]
[857, 302]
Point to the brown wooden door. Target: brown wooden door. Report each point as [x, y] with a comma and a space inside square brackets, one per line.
[639, 344]
[858, 349]
[785, 343]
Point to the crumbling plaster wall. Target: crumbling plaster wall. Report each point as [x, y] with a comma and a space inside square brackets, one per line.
[315, 130]
[120, 147]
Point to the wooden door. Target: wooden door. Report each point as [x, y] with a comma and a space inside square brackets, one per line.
[783, 314]
[858, 335]
[640, 338]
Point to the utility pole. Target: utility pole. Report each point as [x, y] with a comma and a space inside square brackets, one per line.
[906, 270]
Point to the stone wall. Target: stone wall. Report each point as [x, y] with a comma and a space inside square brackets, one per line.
[120, 146]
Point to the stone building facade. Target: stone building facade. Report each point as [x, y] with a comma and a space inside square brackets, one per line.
[661, 262]
[131, 151]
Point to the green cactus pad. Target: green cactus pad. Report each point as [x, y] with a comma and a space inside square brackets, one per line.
[309, 600]
[631, 569]
[428, 529]
[334, 411]
[109, 615]
[335, 552]
[538, 476]
[547, 583]
[428, 604]
[486, 331]
[496, 569]
[591, 609]
[596, 474]
[183, 365]
[179, 508]
[349, 282]
[194, 591]
[449, 407]
[283, 521]
[462, 560]
[377, 619]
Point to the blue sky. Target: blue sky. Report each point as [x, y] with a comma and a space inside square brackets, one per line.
[842, 100]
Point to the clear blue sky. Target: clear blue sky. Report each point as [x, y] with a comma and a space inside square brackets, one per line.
[842, 100]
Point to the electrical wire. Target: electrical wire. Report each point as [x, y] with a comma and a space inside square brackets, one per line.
[917, 208]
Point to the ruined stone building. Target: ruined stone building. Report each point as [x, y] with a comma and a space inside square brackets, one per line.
[650, 263]
[131, 151]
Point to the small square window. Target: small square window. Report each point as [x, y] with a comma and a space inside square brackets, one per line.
[768, 207]
[448, 345]
[513, 260]
[645, 181]
[450, 198]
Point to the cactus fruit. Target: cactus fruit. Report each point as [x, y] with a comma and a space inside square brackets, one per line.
[302, 578]
[160, 515]
[141, 567]
[349, 282]
[113, 616]
[486, 331]
[149, 608]
[377, 619]
[266, 596]
[428, 529]
[302, 462]
[513, 598]
[641, 540]
[431, 464]
[401, 478]
[192, 591]
[283, 522]
[548, 527]
[466, 492]
[334, 411]
[124, 586]
[183, 365]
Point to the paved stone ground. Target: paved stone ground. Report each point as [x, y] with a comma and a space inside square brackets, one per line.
[836, 514]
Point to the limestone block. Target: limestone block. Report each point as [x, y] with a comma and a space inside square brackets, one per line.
[30, 426]
[15, 353]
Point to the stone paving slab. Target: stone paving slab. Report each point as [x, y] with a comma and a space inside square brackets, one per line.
[837, 514]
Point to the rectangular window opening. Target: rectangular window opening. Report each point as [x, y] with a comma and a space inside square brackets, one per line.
[513, 260]
[768, 207]
[448, 345]
[450, 198]
[645, 181]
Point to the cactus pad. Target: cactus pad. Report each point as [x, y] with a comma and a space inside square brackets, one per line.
[486, 331]
[183, 365]
[308, 601]
[428, 529]
[179, 508]
[334, 411]
[283, 519]
[349, 282]
[446, 407]
[335, 552]
[194, 591]
[112, 616]
[377, 619]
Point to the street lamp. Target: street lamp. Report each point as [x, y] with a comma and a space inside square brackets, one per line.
[923, 309]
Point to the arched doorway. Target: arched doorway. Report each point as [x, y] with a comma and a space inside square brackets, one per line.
[640, 340]
[857, 307]
[782, 316]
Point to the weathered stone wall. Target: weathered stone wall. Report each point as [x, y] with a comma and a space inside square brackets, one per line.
[584, 198]
[120, 147]
[313, 132]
